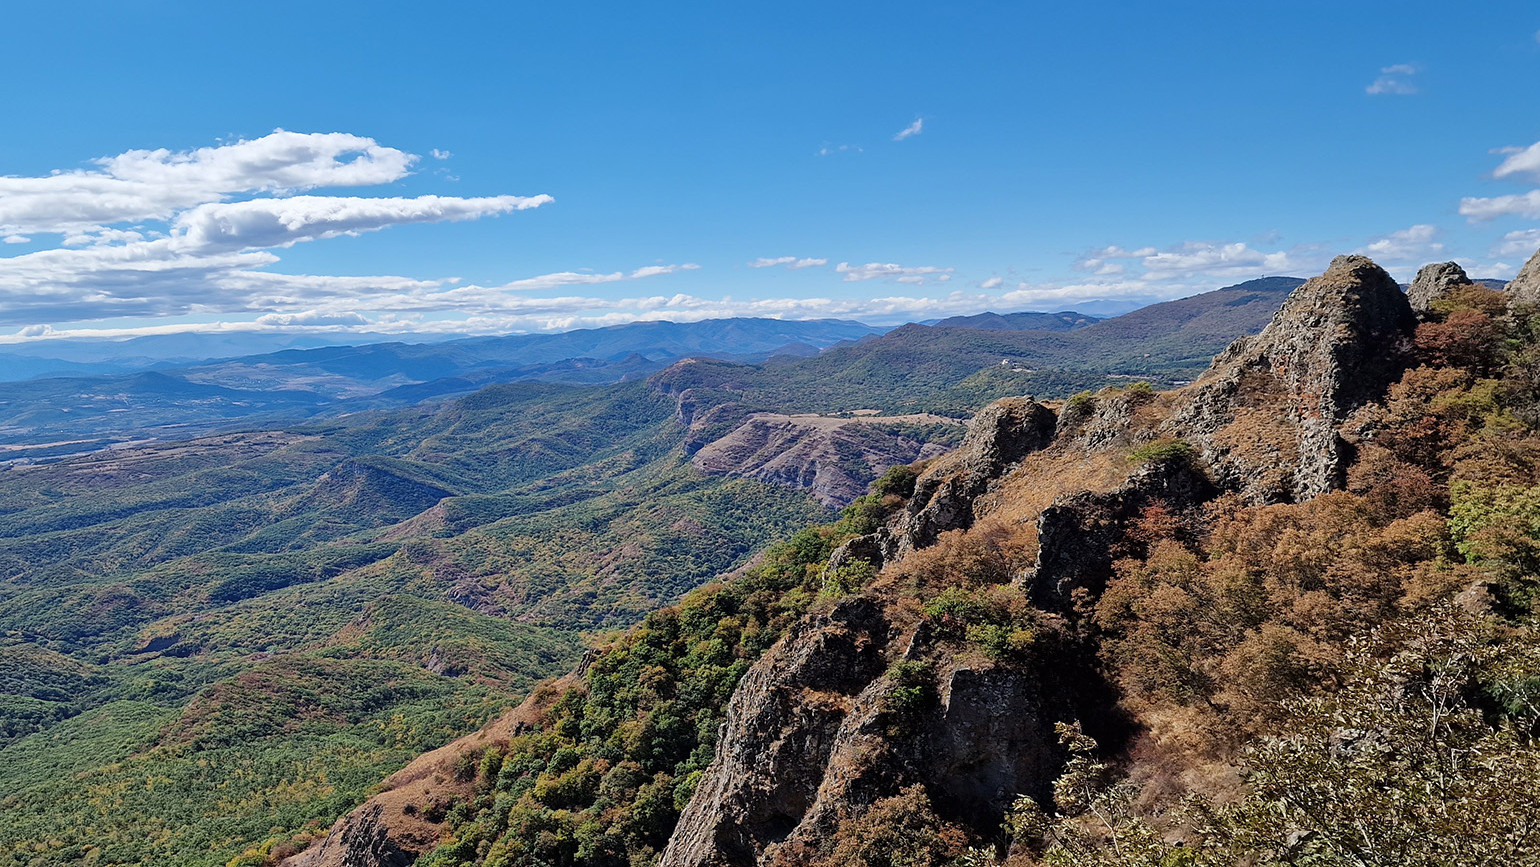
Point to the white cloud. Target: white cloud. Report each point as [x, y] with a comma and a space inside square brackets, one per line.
[1519, 161]
[17, 239]
[1233, 260]
[890, 271]
[270, 223]
[1521, 242]
[1394, 80]
[143, 185]
[1414, 244]
[791, 262]
[187, 250]
[911, 130]
[1492, 271]
[1480, 209]
[310, 318]
[992, 283]
[440, 155]
[830, 150]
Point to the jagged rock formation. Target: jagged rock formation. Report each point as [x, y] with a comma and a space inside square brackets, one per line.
[781, 728]
[806, 745]
[1433, 282]
[1266, 413]
[809, 741]
[1078, 534]
[1525, 288]
[1000, 435]
[832, 458]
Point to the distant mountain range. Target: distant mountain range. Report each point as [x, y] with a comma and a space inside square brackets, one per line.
[818, 365]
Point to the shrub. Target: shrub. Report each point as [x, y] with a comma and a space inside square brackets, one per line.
[1163, 450]
[897, 481]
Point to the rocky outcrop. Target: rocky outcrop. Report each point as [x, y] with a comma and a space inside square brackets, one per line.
[812, 739]
[1267, 412]
[781, 728]
[1525, 288]
[1434, 282]
[1079, 534]
[1000, 435]
[834, 459]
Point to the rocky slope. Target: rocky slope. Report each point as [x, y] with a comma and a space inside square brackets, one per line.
[945, 669]
[807, 745]
[832, 458]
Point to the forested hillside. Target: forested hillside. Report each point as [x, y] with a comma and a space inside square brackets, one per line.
[225, 641]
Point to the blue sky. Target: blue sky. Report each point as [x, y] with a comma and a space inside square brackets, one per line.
[487, 168]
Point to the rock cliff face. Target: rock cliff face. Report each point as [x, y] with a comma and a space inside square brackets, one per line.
[810, 741]
[1266, 414]
[1433, 282]
[1525, 288]
[1000, 435]
[1078, 534]
[806, 744]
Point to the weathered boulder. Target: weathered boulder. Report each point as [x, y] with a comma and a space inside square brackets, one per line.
[1433, 282]
[1525, 288]
[1000, 435]
[1265, 415]
[873, 548]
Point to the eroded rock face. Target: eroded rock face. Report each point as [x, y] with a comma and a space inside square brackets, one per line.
[781, 728]
[1525, 288]
[809, 743]
[1078, 534]
[835, 459]
[1000, 435]
[361, 839]
[1433, 282]
[1266, 413]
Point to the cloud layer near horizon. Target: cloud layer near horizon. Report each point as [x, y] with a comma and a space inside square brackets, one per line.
[166, 237]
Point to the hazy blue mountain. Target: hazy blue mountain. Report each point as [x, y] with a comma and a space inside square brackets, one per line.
[1063, 321]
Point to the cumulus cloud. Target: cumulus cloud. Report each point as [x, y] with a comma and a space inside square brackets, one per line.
[17, 239]
[791, 262]
[1519, 161]
[1414, 244]
[1520, 242]
[440, 155]
[1481, 209]
[153, 233]
[890, 271]
[1394, 80]
[911, 130]
[992, 283]
[141, 185]
[310, 319]
[1197, 265]
[271, 223]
